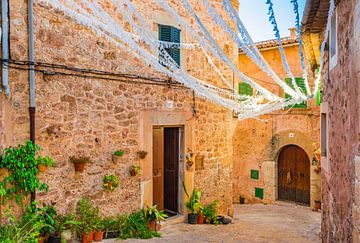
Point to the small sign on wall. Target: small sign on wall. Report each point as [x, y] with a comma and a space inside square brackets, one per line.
[199, 162]
[291, 135]
[169, 104]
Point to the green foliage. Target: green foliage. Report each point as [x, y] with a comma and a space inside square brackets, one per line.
[119, 153]
[210, 212]
[28, 230]
[193, 204]
[66, 222]
[79, 159]
[110, 224]
[88, 215]
[135, 226]
[152, 213]
[136, 168]
[111, 182]
[22, 165]
[47, 161]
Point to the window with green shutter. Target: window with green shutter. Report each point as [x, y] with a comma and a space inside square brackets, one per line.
[245, 89]
[301, 84]
[259, 193]
[170, 34]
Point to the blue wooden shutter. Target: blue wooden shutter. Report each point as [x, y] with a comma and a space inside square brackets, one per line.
[300, 82]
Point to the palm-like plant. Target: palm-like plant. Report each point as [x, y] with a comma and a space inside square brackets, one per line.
[194, 204]
[153, 214]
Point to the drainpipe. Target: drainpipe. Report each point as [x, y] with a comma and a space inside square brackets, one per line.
[5, 45]
[31, 76]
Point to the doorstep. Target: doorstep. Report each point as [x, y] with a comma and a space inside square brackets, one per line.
[177, 219]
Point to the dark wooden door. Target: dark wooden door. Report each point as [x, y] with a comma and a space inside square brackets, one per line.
[171, 168]
[294, 175]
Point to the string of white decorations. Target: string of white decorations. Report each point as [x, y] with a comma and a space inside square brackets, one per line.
[285, 63]
[298, 33]
[139, 52]
[323, 44]
[215, 49]
[245, 44]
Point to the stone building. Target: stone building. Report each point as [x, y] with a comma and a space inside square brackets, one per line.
[274, 155]
[93, 98]
[340, 163]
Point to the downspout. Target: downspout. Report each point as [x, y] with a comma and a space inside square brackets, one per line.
[31, 76]
[5, 45]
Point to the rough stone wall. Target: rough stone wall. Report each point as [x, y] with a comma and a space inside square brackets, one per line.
[95, 117]
[254, 139]
[340, 217]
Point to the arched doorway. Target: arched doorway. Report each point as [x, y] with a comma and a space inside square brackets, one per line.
[294, 175]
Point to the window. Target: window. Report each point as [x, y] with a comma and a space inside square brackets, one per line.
[254, 174]
[245, 89]
[301, 84]
[324, 137]
[333, 43]
[170, 34]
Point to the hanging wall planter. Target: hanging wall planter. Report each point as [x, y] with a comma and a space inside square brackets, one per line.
[117, 155]
[45, 162]
[135, 170]
[142, 154]
[79, 162]
[111, 182]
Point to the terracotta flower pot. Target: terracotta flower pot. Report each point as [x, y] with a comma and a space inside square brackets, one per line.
[42, 168]
[79, 167]
[154, 226]
[132, 172]
[42, 239]
[98, 236]
[87, 238]
[200, 219]
[116, 159]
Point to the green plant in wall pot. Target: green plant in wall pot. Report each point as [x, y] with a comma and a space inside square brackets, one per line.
[22, 164]
[154, 216]
[135, 170]
[79, 162]
[111, 182]
[117, 155]
[45, 162]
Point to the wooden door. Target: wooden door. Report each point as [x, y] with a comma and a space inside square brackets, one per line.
[294, 175]
[158, 167]
[171, 168]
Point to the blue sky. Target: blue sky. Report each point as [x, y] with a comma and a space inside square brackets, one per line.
[253, 13]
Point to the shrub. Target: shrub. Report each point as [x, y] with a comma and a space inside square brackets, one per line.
[210, 212]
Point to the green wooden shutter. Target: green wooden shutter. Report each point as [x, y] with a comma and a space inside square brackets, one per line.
[300, 82]
[170, 34]
[175, 51]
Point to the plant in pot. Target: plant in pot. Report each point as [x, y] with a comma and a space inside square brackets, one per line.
[44, 162]
[111, 182]
[111, 227]
[154, 216]
[135, 170]
[99, 230]
[117, 155]
[193, 204]
[64, 226]
[210, 212]
[142, 154]
[87, 215]
[79, 162]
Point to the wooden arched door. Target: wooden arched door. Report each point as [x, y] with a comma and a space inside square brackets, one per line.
[294, 175]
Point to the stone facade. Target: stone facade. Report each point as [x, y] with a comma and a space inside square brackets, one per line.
[258, 142]
[340, 111]
[95, 117]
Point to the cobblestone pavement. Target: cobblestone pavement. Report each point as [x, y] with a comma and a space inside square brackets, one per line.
[252, 223]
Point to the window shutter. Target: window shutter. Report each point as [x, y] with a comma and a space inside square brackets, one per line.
[245, 89]
[175, 51]
[300, 82]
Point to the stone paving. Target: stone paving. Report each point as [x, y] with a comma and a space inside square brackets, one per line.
[281, 222]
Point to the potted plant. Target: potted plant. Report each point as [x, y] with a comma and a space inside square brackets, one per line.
[135, 170]
[201, 217]
[99, 230]
[79, 162]
[63, 227]
[210, 212]
[117, 155]
[111, 228]
[88, 215]
[142, 154]
[111, 182]
[154, 216]
[44, 162]
[193, 204]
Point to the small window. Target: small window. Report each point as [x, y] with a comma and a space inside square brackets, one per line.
[170, 34]
[254, 174]
[245, 89]
[301, 84]
[259, 193]
[323, 134]
[333, 42]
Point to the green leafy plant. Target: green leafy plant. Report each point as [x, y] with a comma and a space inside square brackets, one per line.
[119, 153]
[22, 164]
[66, 222]
[111, 182]
[136, 169]
[88, 214]
[193, 204]
[210, 212]
[47, 161]
[79, 159]
[153, 214]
